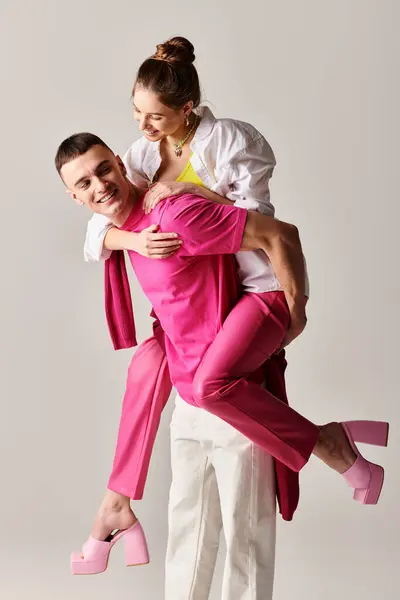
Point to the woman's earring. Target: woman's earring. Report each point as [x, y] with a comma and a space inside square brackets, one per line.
[187, 122]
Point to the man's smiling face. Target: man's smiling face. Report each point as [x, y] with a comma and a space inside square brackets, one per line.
[98, 179]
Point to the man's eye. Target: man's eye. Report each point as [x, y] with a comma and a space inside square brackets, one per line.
[84, 185]
[105, 170]
[155, 118]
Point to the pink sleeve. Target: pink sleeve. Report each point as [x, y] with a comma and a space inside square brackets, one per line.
[204, 226]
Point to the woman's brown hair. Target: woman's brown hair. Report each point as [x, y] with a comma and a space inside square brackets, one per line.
[170, 74]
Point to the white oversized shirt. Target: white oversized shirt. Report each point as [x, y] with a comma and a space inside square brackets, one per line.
[232, 159]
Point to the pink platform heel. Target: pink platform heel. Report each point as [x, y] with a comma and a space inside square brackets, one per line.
[95, 554]
[365, 477]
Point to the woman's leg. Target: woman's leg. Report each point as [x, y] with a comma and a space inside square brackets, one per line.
[147, 391]
[251, 333]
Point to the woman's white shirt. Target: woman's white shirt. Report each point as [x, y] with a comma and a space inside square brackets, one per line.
[232, 159]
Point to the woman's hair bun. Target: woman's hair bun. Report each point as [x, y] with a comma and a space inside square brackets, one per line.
[176, 49]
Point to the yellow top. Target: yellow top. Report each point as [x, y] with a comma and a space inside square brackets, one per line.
[189, 175]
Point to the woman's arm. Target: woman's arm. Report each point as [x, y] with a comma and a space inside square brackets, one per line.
[102, 238]
[147, 243]
[209, 195]
[165, 189]
[97, 229]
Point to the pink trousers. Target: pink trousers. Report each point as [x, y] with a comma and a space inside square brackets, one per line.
[223, 385]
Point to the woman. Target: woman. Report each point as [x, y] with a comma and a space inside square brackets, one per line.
[187, 152]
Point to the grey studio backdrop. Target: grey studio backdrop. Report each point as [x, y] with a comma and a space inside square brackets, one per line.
[320, 79]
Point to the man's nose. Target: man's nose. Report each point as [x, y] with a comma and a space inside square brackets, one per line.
[100, 185]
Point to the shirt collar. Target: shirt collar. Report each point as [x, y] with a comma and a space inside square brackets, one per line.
[206, 124]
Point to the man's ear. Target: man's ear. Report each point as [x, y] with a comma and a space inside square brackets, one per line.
[74, 198]
[121, 165]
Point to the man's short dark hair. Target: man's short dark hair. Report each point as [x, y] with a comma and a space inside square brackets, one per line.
[75, 146]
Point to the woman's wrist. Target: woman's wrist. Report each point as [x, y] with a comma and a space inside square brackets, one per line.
[131, 241]
[195, 190]
[117, 239]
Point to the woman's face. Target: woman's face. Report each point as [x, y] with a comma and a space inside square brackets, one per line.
[155, 119]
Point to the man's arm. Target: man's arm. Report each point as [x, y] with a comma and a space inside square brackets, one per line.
[281, 242]
[209, 228]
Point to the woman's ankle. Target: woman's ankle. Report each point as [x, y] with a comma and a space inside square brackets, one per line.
[333, 448]
[115, 512]
[116, 502]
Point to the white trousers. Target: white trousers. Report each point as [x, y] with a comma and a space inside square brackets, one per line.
[220, 480]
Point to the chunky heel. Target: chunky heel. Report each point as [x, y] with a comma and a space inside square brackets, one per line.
[370, 495]
[364, 477]
[136, 552]
[95, 553]
[369, 432]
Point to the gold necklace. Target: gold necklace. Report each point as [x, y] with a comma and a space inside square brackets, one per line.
[178, 147]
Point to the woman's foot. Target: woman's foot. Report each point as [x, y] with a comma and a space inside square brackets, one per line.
[334, 449]
[114, 513]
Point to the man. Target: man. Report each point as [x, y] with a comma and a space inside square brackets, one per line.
[97, 178]
[221, 481]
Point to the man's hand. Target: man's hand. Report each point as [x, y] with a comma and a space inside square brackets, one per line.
[281, 242]
[166, 189]
[298, 322]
